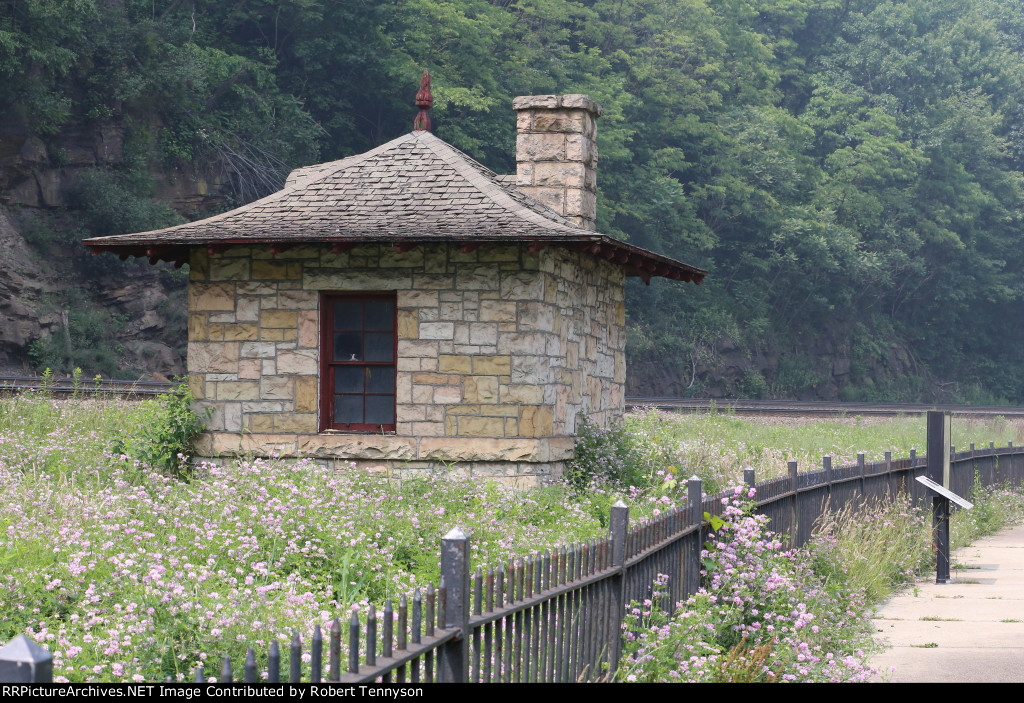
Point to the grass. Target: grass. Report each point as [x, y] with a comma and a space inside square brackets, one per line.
[875, 550]
[718, 446]
[126, 572]
[995, 507]
[763, 614]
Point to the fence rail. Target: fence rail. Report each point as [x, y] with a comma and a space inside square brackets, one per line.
[557, 617]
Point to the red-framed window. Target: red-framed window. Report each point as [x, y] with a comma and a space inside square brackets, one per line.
[358, 347]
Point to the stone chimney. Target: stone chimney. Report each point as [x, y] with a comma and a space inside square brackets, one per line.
[556, 155]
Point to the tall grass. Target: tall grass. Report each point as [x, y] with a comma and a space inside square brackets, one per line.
[57, 437]
[873, 549]
[717, 446]
[762, 614]
[767, 614]
[995, 507]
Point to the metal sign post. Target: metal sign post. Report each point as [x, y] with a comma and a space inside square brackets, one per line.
[937, 479]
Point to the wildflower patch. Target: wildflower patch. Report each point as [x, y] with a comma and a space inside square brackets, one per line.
[763, 615]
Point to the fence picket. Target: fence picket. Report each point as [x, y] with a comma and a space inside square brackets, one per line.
[316, 655]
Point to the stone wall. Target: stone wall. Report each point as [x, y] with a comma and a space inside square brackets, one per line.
[556, 153]
[499, 350]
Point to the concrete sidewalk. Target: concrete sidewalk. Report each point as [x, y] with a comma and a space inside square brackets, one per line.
[970, 630]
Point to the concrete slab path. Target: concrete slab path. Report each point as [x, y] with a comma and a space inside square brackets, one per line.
[970, 630]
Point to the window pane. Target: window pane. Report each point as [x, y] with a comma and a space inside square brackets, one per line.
[348, 409]
[348, 379]
[348, 314]
[348, 346]
[380, 409]
[361, 379]
[380, 315]
[380, 346]
[380, 379]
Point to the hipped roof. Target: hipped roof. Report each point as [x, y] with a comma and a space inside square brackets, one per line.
[412, 190]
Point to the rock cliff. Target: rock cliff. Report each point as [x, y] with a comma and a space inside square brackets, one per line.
[46, 279]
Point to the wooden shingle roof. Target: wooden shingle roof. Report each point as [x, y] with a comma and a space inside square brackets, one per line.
[414, 189]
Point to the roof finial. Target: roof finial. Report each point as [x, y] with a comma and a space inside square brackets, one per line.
[424, 101]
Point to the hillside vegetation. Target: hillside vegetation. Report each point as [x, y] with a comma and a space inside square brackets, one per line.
[849, 171]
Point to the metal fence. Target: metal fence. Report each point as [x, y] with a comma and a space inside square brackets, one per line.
[557, 617]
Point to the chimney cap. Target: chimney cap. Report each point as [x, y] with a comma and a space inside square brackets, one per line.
[557, 102]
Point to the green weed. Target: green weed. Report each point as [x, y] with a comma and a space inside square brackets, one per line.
[162, 433]
[874, 550]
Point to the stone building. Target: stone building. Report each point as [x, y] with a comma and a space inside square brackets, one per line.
[408, 307]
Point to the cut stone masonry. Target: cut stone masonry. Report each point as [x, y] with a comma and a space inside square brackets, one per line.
[556, 154]
[499, 351]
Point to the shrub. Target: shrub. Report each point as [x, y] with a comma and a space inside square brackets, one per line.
[753, 384]
[110, 202]
[603, 455]
[87, 343]
[162, 435]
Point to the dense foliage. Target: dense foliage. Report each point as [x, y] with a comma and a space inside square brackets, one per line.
[849, 172]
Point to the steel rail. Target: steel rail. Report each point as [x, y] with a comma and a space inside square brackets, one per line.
[739, 406]
[798, 407]
[68, 386]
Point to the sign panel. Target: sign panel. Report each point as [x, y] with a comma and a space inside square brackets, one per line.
[945, 492]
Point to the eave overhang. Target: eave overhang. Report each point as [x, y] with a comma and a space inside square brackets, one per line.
[634, 260]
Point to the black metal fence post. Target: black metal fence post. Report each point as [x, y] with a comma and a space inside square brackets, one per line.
[455, 579]
[824, 503]
[695, 504]
[794, 478]
[24, 661]
[938, 470]
[619, 528]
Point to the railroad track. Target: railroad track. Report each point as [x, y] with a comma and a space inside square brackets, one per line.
[798, 407]
[67, 386]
